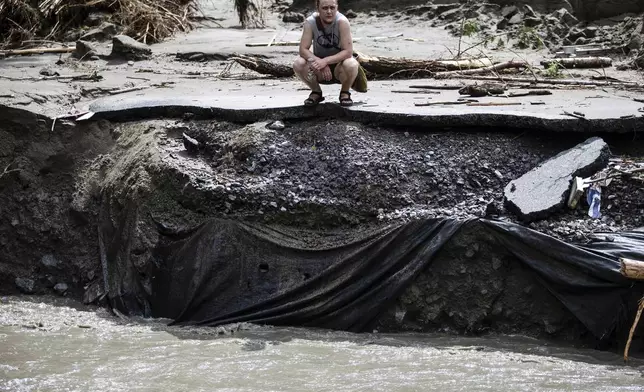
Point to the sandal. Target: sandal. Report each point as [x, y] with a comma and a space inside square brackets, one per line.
[346, 101]
[314, 98]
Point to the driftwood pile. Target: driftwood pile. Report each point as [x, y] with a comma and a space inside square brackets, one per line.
[28, 21]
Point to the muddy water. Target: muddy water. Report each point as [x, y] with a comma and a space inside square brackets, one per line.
[51, 346]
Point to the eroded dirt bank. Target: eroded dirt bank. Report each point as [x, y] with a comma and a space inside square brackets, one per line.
[328, 175]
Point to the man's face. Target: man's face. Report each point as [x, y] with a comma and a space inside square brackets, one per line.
[327, 10]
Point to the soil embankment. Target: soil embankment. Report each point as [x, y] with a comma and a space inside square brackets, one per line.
[330, 176]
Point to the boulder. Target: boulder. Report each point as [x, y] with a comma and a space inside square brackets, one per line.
[510, 11]
[590, 32]
[124, 47]
[351, 14]
[191, 145]
[515, 19]
[103, 32]
[544, 189]
[61, 288]
[532, 22]
[85, 51]
[26, 285]
[529, 12]
[276, 125]
[566, 17]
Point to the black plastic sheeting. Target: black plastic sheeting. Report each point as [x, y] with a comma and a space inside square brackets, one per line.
[229, 271]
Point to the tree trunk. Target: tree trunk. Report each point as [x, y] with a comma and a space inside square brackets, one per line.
[580, 62]
[632, 269]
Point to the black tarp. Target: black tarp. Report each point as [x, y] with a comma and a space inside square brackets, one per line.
[227, 271]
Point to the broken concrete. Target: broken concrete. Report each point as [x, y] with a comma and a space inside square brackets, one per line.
[543, 189]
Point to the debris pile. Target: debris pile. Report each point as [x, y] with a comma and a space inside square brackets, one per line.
[27, 23]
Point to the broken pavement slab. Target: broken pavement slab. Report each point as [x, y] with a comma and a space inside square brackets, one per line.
[544, 189]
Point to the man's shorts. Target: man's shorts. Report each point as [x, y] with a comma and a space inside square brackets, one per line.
[333, 79]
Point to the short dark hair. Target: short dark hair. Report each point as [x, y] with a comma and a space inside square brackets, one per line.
[317, 3]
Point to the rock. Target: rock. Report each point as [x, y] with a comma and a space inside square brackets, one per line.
[350, 14]
[564, 16]
[61, 288]
[48, 72]
[574, 34]
[25, 285]
[529, 11]
[130, 49]
[543, 189]
[581, 41]
[502, 25]
[191, 145]
[293, 17]
[590, 32]
[510, 11]
[84, 50]
[515, 19]
[49, 261]
[451, 15]
[103, 32]
[635, 42]
[532, 22]
[276, 125]
[197, 57]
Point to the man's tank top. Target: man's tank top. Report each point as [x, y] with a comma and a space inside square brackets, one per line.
[326, 43]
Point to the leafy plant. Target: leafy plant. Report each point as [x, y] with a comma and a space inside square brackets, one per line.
[529, 39]
[553, 70]
[470, 28]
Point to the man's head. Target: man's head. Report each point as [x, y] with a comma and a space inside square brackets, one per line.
[327, 10]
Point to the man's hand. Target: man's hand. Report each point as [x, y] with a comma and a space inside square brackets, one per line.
[326, 73]
[319, 64]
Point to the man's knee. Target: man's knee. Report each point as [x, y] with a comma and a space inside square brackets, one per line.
[350, 65]
[299, 65]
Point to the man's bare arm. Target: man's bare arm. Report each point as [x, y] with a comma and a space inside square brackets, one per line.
[305, 43]
[346, 43]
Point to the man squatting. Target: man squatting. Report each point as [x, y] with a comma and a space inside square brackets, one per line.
[332, 58]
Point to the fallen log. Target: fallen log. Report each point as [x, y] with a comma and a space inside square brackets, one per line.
[566, 82]
[632, 269]
[488, 69]
[23, 52]
[494, 103]
[437, 87]
[530, 93]
[373, 66]
[391, 66]
[579, 62]
[414, 92]
[263, 67]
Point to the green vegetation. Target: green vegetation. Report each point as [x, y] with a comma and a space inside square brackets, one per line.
[529, 39]
[553, 70]
[470, 28]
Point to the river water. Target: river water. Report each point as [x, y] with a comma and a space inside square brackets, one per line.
[49, 344]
